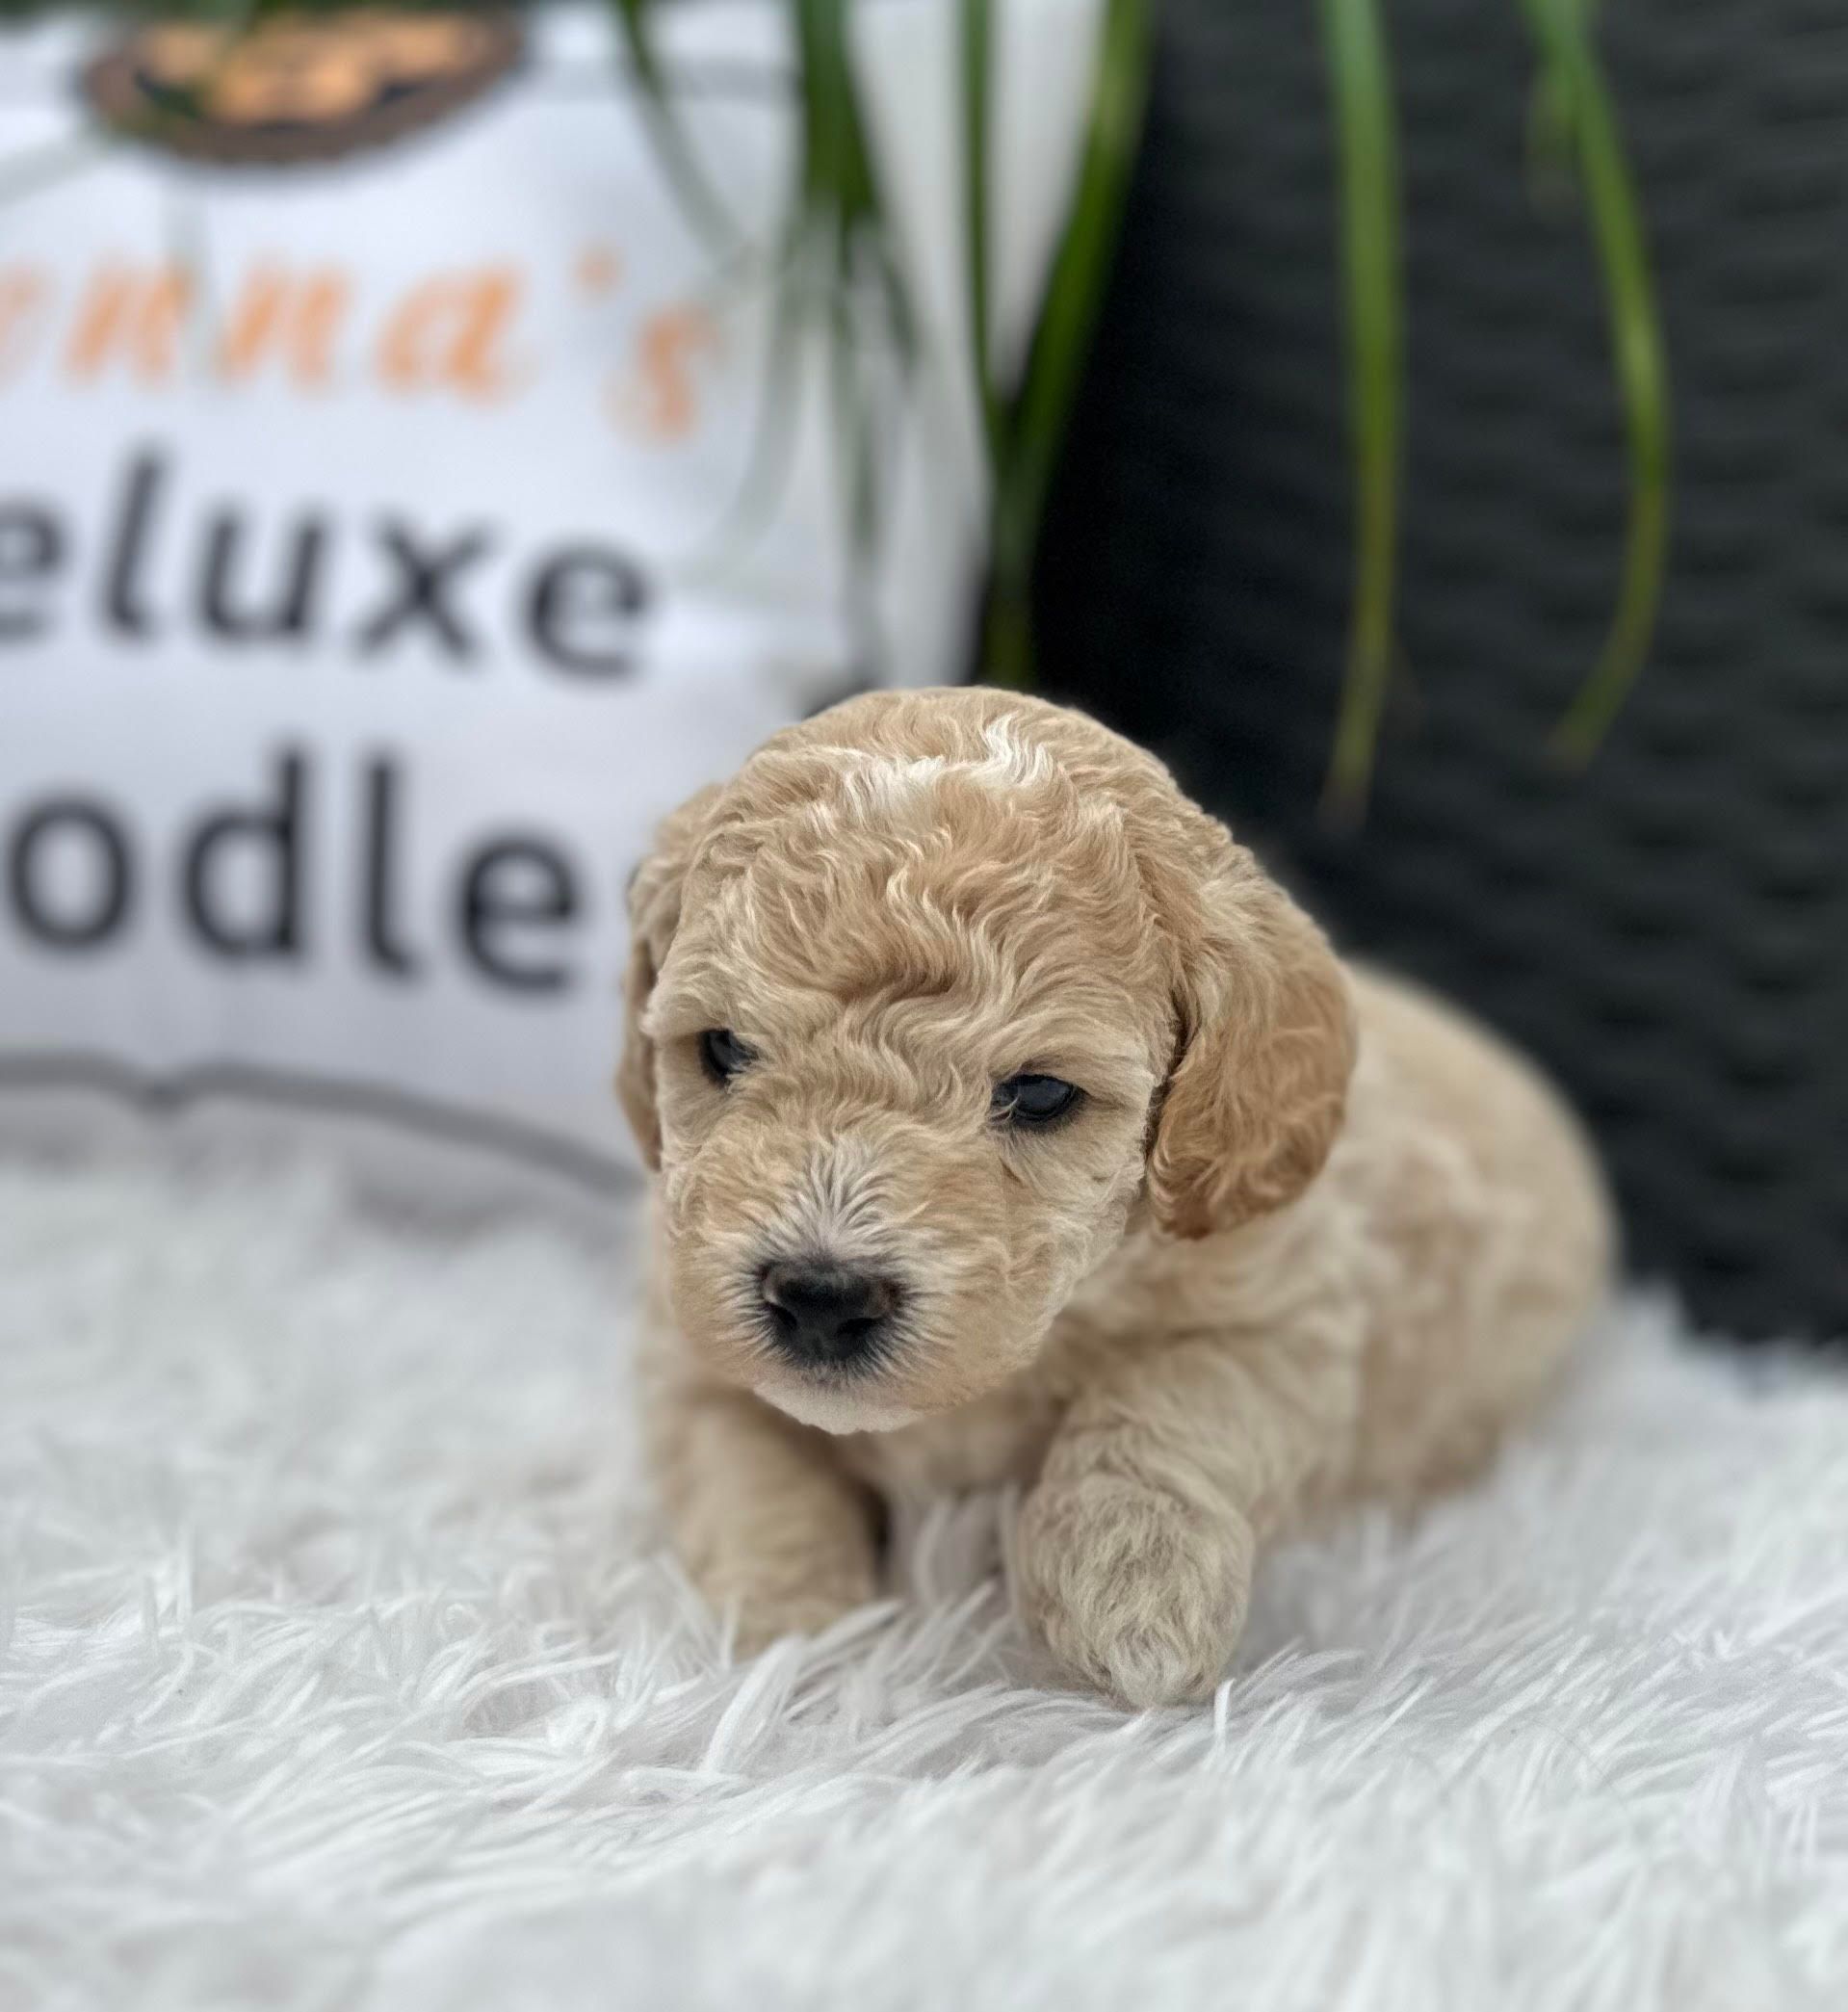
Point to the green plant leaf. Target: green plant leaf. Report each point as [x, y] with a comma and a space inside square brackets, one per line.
[1369, 198]
[698, 199]
[836, 292]
[1564, 34]
[1030, 432]
[766, 464]
[977, 35]
[857, 442]
[859, 302]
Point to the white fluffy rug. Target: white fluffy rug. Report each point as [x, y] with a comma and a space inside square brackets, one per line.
[337, 1668]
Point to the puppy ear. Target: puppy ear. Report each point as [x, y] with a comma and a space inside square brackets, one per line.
[654, 915]
[1259, 1084]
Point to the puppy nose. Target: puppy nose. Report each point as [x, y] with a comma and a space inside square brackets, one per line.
[827, 1313]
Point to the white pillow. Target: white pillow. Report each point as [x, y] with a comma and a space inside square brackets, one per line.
[365, 596]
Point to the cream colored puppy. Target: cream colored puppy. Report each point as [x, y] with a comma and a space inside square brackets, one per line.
[1010, 1124]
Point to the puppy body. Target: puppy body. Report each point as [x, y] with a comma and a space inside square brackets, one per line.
[1307, 1234]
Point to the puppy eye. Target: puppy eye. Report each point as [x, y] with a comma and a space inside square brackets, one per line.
[723, 1054]
[1034, 1100]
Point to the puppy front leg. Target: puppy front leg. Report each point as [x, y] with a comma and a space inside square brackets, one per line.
[765, 1522]
[1136, 1546]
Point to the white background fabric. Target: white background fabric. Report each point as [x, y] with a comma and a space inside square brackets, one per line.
[593, 430]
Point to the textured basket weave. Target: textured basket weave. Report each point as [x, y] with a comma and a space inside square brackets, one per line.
[1669, 932]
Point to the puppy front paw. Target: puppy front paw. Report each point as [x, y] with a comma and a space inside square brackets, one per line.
[764, 1605]
[1135, 1593]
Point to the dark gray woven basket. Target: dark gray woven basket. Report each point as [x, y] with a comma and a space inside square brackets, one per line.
[1670, 931]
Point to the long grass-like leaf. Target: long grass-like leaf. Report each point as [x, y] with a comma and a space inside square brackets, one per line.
[836, 294]
[978, 33]
[839, 211]
[675, 148]
[1366, 144]
[1063, 335]
[773, 429]
[856, 441]
[1564, 32]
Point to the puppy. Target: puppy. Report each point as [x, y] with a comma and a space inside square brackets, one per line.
[1010, 1124]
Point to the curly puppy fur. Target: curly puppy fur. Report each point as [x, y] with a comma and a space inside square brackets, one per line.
[1309, 1234]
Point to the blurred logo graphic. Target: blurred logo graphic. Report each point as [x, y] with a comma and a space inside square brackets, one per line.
[298, 87]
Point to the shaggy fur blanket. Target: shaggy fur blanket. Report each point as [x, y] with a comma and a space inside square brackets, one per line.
[339, 1667]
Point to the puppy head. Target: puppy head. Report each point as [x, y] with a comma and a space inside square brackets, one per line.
[921, 1006]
